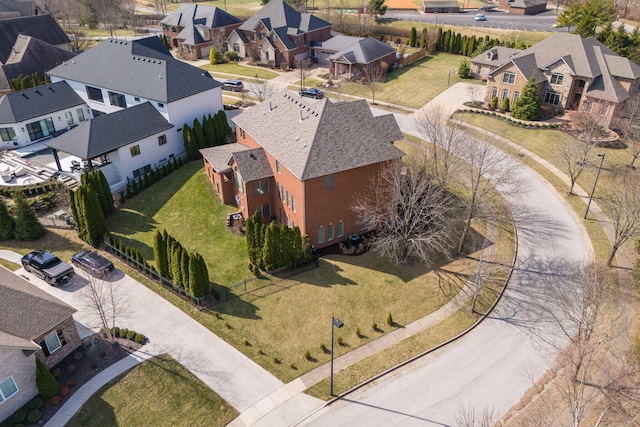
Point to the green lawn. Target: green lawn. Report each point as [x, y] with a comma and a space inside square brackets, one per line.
[158, 392]
[240, 70]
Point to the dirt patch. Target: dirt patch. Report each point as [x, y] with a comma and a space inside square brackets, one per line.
[403, 4]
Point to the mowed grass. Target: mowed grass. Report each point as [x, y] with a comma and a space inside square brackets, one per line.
[186, 205]
[157, 392]
[240, 70]
[547, 144]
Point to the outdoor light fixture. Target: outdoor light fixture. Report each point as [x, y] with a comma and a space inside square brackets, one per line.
[335, 323]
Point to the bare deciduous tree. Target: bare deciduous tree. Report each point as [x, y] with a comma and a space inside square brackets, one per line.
[622, 207]
[588, 126]
[628, 124]
[261, 89]
[105, 301]
[468, 416]
[572, 152]
[414, 218]
[481, 276]
[65, 11]
[445, 138]
[485, 166]
[304, 68]
[79, 41]
[375, 75]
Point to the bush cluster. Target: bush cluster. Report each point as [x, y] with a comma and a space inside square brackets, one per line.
[135, 186]
[124, 333]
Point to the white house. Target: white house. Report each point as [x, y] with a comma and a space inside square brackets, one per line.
[124, 145]
[39, 113]
[118, 74]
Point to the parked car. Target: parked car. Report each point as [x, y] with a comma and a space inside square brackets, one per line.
[480, 17]
[233, 85]
[93, 263]
[312, 92]
[47, 266]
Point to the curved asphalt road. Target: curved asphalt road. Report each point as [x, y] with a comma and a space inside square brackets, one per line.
[491, 367]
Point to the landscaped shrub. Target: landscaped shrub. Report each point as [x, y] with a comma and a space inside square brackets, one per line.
[19, 417]
[55, 400]
[324, 349]
[307, 355]
[36, 403]
[45, 381]
[34, 416]
[340, 341]
[131, 335]
[494, 103]
[389, 319]
[358, 333]
[64, 391]
[123, 333]
[505, 105]
[374, 326]
[231, 56]
[139, 338]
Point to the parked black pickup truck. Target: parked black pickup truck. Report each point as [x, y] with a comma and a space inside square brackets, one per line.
[47, 266]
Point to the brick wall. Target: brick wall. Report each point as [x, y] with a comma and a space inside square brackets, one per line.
[13, 363]
[70, 334]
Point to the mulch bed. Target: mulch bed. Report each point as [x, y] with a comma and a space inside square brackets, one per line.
[92, 357]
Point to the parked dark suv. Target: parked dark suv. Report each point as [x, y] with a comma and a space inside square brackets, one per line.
[233, 85]
[93, 263]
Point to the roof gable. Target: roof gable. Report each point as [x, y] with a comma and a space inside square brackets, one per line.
[107, 133]
[42, 27]
[318, 137]
[38, 101]
[364, 51]
[278, 14]
[155, 75]
[27, 311]
[209, 16]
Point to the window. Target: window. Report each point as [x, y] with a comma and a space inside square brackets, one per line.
[321, 234]
[117, 99]
[557, 78]
[293, 204]
[162, 139]
[80, 113]
[160, 105]
[328, 182]
[265, 211]
[7, 134]
[494, 92]
[97, 113]
[94, 93]
[278, 190]
[135, 150]
[505, 93]
[588, 106]
[236, 47]
[552, 98]
[340, 229]
[52, 341]
[260, 187]
[40, 129]
[277, 162]
[239, 184]
[516, 95]
[282, 193]
[581, 83]
[69, 117]
[330, 232]
[603, 109]
[7, 388]
[137, 99]
[139, 173]
[242, 136]
[508, 77]
[287, 198]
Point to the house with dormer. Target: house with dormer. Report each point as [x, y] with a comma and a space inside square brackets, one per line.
[118, 74]
[571, 73]
[195, 29]
[307, 170]
[491, 59]
[278, 35]
[33, 324]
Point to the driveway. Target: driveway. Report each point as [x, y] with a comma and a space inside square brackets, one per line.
[235, 377]
[485, 369]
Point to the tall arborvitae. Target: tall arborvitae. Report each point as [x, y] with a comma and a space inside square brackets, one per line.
[297, 243]
[210, 132]
[251, 243]
[27, 227]
[184, 262]
[306, 247]
[198, 132]
[160, 255]
[45, 381]
[190, 144]
[198, 275]
[105, 192]
[412, 37]
[6, 222]
[176, 265]
[270, 250]
[95, 223]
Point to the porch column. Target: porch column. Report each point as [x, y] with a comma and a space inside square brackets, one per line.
[57, 159]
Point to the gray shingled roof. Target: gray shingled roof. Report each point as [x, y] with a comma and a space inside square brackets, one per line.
[440, 3]
[209, 16]
[587, 58]
[330, 138]
[107, 133]
[338, 42]
[278, 14]
[30, 55]
[363, 51]
[37, 101]
[114, 65]
[526, 3]
[218, 157]
[27, 311]
[252, 164]
[499, 55]
[42, 27]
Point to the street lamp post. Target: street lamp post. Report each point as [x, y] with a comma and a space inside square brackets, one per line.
[335, 323]
[593, 190]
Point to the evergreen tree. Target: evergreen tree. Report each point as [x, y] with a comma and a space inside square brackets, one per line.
[198, 132]
[307, 250]
[424, 38]
[464, 69]
[494, 103]
[251, 243]
[198, 275]
[190, 143]
[505, 105]
[270, 255]
[105, 192]
[184, 261]
[439, 40]
[210, 132]
[412, 37]
[297, 243]
[6, 222]
[527, 105]
[45, 381]
[95, 223]
[27, 227]
[160, 255]
[176, 265]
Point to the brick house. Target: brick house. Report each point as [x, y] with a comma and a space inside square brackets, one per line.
[302, 162]
[523, 7]
[194, 29]
[355, 59]
[440, 6]
[488, 61]
[278, 34]
[571, 73]
[33, 324]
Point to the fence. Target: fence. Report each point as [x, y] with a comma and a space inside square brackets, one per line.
[410, 59]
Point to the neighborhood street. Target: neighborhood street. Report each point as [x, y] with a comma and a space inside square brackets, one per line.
[494, 365]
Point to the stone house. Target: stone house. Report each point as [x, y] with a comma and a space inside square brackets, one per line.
[33, 324]
[307, 170]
